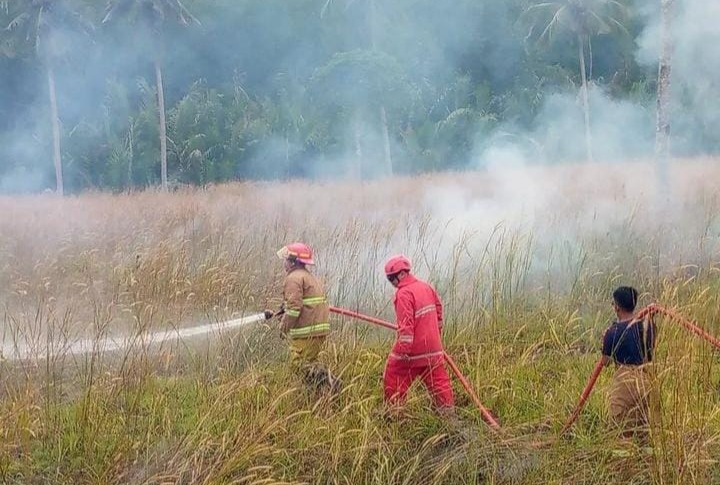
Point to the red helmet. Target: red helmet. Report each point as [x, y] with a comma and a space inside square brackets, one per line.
[396, 264]
[298, 251]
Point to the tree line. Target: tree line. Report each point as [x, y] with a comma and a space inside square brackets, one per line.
[134, 93]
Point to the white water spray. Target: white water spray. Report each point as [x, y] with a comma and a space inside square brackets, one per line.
[15, 351]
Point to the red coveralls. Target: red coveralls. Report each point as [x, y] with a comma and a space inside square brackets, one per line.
[418, 351]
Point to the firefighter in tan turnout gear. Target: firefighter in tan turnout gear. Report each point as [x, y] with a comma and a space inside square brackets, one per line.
[305, 318]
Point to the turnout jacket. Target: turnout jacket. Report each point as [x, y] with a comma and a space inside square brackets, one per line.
[419, 315]
[306, 308]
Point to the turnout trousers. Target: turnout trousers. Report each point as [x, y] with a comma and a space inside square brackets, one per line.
[399, 375]
[305, 363]
[304, 353]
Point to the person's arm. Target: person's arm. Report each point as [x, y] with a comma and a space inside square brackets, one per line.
[293, 295]
[405, 313]
[439, 310]
[608, 346]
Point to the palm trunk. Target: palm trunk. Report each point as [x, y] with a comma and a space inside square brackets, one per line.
[131, 155]
[287, 154]
[662, 131]
[163, 127]
[358, 149]
[383, 112]
[585, 98]
[372, 24]
[287, 150]
[57, 158]
[386, 141]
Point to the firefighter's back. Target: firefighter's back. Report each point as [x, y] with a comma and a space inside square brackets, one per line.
[314, 316]
[427, 341]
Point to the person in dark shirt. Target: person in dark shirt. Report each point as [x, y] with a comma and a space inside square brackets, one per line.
[629, 343]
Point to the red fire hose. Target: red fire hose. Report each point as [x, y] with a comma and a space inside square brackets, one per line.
[592, 380]
[648, 310]
[692, 327]
[359, 316]
[487, 416]
[584, 396]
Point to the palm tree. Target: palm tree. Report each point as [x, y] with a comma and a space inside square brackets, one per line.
[152, 16]
[583, 19]
[356, 82]
[36, 25]
[662, 132]
[372, 28]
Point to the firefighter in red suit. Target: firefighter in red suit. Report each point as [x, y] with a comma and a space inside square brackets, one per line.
[418, 350]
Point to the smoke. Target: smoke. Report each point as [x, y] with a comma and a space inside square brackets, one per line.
[270, 51]
[620, 129]
[22, 158]
[524, 202]
[572, 204]
[22, 180]
[695, 71]
[449, 80]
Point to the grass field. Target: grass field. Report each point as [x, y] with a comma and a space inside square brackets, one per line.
[525, 260]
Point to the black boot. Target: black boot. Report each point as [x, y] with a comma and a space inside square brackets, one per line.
[320, 379]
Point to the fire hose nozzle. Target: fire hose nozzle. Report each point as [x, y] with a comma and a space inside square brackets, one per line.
[270, 314]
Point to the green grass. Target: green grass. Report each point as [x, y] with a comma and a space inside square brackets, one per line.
[211, 425]
[526, 308]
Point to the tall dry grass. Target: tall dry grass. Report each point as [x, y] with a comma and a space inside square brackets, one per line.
[525, 260]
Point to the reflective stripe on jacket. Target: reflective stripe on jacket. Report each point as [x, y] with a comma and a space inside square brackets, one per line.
[419, 314]
[306, 309]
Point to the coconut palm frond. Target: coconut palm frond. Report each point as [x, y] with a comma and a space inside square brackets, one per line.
[117, 9]
[553, 24]
[18, 21]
